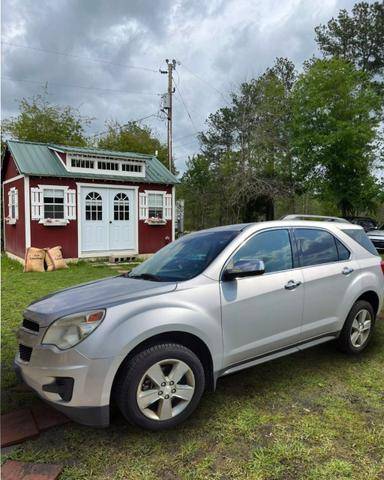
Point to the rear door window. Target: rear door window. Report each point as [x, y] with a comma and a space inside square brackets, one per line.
[315, 246]
[361, 238]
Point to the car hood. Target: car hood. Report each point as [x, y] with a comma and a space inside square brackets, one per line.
[99, 294]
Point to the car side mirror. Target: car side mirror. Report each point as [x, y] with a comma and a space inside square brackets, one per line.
[244, 268]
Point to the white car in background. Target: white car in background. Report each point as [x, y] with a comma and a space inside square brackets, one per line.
[377, 238]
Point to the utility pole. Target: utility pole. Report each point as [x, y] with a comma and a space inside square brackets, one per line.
[168, 107]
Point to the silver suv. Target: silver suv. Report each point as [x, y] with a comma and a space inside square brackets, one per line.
[210, 304]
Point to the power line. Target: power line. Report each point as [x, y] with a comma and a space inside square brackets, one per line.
[188, 144]
[204, 81]
[186, 136]
[78, 57]
[39, 82]
[185, 106]
[126, 124]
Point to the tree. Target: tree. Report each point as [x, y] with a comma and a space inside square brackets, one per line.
[133, 137]
[358, 37]
[248, 146]
[40, 121]
[335, 119]
[196, 190]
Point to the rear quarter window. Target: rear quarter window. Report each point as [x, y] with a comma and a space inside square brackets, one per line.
[361, 238]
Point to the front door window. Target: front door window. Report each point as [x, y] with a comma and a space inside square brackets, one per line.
[273, 247]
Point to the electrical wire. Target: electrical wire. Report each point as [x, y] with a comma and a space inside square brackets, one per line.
[205, 81]
[186, 136]
[185, 107]
[78, 57]
[126, 124]
[39, 82]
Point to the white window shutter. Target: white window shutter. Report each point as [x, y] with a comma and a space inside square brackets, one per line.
[16, 201]
[70, 204]
[168, 207]
[143, 206]
[10, 203]
[37, 204]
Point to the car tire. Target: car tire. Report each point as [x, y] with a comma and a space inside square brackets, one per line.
[147, 377]
[353, 339]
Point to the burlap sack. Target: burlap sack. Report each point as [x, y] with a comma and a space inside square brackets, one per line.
[54, 259]
[34, 260]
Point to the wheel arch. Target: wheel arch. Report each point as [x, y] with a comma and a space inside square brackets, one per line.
[371, 297]
[188, 340]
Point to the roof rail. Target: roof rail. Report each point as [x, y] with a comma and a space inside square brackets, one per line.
[314, 217]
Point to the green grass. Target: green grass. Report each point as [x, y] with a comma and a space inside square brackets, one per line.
[316, 415]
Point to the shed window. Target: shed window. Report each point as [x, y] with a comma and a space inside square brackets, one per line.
[155, 205]
[131, 167]
[82, 163]
[121, 207]
[108, 166]
[54, 203]
[93, 206]
[13, 209]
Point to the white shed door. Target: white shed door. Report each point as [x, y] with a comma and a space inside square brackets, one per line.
[122, 219]
[108, 219]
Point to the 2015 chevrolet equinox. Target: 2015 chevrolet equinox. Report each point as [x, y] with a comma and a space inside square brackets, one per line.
[211, 303]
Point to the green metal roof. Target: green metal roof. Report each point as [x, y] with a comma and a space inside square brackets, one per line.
[39, 159]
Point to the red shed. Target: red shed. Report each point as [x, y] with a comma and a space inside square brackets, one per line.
[92, 202]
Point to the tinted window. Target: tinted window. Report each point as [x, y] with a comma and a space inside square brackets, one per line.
[185, 258]
[315, 246]
[344, 253]
[361, 237]
[273, 247]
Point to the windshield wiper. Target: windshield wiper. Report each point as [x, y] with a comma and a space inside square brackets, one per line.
[146, 276]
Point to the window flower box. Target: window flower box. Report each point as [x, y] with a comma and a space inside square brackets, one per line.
[54, 222]
[155, 221]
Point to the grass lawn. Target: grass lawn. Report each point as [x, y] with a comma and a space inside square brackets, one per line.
[314, 415]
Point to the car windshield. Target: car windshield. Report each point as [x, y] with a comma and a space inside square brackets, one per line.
[185, 258]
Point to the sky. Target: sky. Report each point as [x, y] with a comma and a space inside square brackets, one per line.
[103, 56]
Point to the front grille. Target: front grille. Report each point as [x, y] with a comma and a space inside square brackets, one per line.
[25, 352]
[30, 325]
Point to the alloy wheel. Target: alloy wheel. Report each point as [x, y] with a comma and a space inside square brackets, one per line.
[361, 327]
[165, 389]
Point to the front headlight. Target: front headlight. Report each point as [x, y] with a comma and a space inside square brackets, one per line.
[66, 332]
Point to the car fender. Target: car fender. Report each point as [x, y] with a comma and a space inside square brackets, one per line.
[122, 330]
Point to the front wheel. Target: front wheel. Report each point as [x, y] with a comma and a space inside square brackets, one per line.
[358, 328]
[160, 386]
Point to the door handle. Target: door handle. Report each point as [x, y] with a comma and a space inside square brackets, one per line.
[347, 270]
[292, 284]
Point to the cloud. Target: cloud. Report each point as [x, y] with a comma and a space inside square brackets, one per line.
[218, 42]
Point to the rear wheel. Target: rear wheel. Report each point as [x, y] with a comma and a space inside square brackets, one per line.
[160, 386]
[358, 328]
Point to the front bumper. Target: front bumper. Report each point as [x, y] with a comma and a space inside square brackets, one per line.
[88, 399]
[91, 416]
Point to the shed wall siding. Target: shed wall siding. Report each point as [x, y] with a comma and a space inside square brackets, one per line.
[151, 238]
[66, 236]
[14, 235]
[10, 170]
